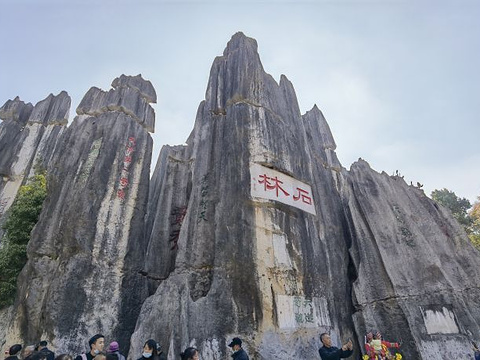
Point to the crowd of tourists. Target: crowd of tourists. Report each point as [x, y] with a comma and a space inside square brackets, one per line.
[151, 351]
[39, 351]
[375, 349]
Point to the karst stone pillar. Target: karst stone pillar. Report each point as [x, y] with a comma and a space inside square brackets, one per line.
[86, 252]
[28, 137]
[247, 237]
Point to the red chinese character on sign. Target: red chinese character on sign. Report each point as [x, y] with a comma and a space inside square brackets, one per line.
[303, 194]
[132, 140]
[127, 159]
[272, 183]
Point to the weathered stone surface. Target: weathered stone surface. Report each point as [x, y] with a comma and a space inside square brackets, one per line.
[6, 315]
[238, 77]
[320, 138]
[16, 110]
[170, 188]
[144, 87]
[417, 273]
[128, 96]
[246, 266]
[86, 252]
[52, 110]
[28, 142]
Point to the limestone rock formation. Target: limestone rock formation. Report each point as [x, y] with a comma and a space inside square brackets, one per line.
[16, 110]
[256, 230]
[252, 229]
[170, 189]
[417, 273]
[144, 87]
[86, 252]
[130, 95]
[28, 137]
[239, 264]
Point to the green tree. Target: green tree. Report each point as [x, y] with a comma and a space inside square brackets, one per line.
[21, 218]
[474, 215]
[458, 206]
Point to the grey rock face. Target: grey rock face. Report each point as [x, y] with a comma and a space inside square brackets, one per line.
[16, 110]
[417, 273]
[28, 137]
[169, 191]
[52, 110]
[130, 96]
[86, 252]
[144, 87]
[241, 265]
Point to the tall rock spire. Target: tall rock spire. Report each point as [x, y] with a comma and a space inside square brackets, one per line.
[28, 137]
[238, 77]
[130, 94]
[242, 217]
[85, 253]
[16, 110]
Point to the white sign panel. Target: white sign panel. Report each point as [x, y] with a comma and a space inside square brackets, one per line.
[270, 184]
[440, 321]
[296, 312]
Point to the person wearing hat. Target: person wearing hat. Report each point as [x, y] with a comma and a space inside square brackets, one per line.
[113, 348]
[329, 352]
[14, 351]
[238, 352]
[96, 343]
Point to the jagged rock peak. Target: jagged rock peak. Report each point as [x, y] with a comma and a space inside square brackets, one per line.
[240, 41]
[127, 96]
[315, 119]
[360, 164]
[144, 87]
[52, 110]
[238, 77]
[16, 110]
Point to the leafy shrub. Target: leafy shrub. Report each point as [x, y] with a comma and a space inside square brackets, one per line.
[21, 218]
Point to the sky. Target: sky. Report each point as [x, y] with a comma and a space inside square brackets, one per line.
[397, 81]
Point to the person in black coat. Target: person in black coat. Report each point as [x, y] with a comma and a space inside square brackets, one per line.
[238, 352]
[42, 346]
[14, 351]
[329, 352]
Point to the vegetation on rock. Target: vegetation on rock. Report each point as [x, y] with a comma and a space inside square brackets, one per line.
[470, 220]
[21, 218]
